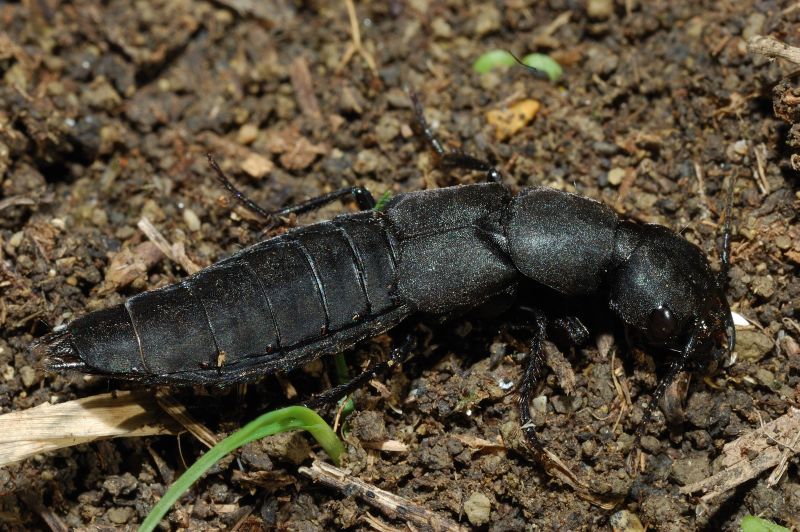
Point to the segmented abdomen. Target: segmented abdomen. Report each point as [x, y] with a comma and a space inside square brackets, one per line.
[271, 306]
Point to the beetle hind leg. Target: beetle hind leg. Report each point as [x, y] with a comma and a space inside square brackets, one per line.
[450, 159]
[328, 397]
[363, 197]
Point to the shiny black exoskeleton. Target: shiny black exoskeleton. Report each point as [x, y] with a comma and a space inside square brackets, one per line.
[319, 289]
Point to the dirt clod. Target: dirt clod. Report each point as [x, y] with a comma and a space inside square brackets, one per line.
[477, 507]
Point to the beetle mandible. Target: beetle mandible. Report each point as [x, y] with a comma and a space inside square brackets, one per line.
[319, 289]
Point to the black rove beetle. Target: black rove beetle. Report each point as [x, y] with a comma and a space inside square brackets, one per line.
[319, 289]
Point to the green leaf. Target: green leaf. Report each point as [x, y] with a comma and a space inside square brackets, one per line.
[546, 64]
[493, 59]
[751, 523]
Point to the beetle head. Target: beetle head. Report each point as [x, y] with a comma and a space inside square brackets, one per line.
[664, 289]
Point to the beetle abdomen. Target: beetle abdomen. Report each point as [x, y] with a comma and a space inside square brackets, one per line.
[266, 305]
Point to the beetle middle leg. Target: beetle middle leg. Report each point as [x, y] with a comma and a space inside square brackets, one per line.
[533, 373]
[363, 197]
[534, 370]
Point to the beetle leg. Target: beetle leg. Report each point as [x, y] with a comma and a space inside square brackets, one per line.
[675, 368]
[363, 198]
[327, 397]
[452, 159]
[534, 370]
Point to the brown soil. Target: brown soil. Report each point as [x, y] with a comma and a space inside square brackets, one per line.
[107, 110]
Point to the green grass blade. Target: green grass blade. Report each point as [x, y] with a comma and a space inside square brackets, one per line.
[283, 420]
[384, 199]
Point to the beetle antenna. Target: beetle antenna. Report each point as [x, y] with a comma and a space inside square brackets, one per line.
[725, 252]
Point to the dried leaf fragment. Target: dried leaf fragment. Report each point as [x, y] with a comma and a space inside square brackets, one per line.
[510, 120]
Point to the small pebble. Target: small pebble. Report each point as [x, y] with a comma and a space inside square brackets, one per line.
[764, 286]
[120, 516]
[615, 176]
[28, 376]
[291, 447]
[625, 521]
[247, 134]
[369, 426]
[16, 239]
[600, 9]
[783, 242]
[487, 19]
[752, 345]
[477, 508]
[690, 470]
[540, 404]
[191, 219]
[589, 448]
[99, 217]
[651, 444]
[441, 28]
[367, 161]
[387, 129]
[765, 377]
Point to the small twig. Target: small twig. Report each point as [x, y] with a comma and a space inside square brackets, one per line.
[48, 515]
[773, 49]
[356, 46]
[174, 252]
[380, 526]
[393, 506]
[701, 188]
[760, 174]
[304, 89]
[783, 464]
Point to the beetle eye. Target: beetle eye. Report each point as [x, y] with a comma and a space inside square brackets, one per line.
[661, 324]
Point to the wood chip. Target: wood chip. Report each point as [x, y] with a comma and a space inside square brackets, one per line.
[304, 89]
[561, 367]
[751, 454]
[302, 154]
[257, 166]
[175, 252]
[391, 446]
[474, 442]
